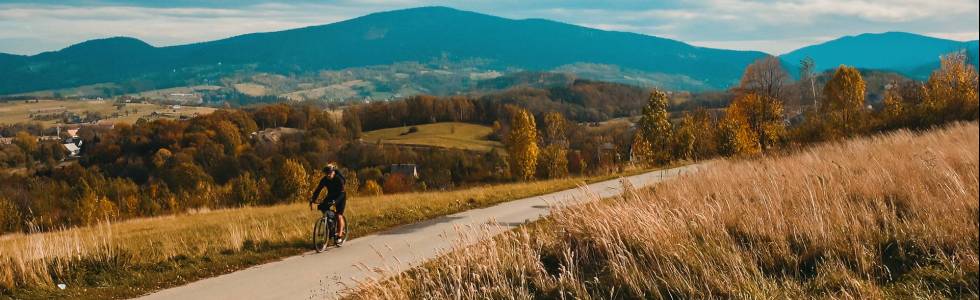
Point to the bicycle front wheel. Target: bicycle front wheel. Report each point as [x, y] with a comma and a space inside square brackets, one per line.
[320, 235]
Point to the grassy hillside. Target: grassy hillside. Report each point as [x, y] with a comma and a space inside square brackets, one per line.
[447, 135]
[893, 216]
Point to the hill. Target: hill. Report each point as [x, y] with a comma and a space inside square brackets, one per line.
[907, 53]
[446, 135]
[427, 35]
[860, 218]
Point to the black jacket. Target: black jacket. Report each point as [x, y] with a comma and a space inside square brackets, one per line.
[335, 187]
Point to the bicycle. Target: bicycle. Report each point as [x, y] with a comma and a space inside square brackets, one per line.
[325, 231]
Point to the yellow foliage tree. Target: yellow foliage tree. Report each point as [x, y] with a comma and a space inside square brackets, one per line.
[523, 145]
[655, 126]
[764, 115]
[555, 161]
[952, 89]
[685, 138]
[843, 106]
[641, 151]
[894, 108]
[735, 137]
[291, 183]
[554, 128]
[371, 188]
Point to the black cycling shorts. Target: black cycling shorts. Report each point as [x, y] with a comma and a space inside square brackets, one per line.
[340, 202]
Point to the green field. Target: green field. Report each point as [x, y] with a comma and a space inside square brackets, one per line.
[446, 135]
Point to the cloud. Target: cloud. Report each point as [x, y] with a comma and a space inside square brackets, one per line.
[774, 26]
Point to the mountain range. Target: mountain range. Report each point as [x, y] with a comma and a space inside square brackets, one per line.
[441, 36]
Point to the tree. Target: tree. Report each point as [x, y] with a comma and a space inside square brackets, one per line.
[893, 106]
[555, 161]
[397, 183]
[765, 76]
[523, 145]
[640, 149]
[352, 123]
[952, 89]
[291, 184]
[844, 101]
[655, 126]
[246, 190]
[684, 138]
[554, 129]
[735, 137]
[764, 116]
[26, 142]
[371, 188]
[808, 79]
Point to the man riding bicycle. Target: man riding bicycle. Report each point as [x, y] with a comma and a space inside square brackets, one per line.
[334, 182]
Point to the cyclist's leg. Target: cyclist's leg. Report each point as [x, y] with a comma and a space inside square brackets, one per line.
[341, 205]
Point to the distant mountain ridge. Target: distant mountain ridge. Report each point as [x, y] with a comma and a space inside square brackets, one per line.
[419, 34]
[907, 53]
[446, 36]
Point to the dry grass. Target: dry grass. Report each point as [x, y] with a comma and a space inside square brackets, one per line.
[893, 216]
[447, 135]
[117, 257]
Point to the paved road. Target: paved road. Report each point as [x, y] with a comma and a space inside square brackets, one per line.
[331, 273]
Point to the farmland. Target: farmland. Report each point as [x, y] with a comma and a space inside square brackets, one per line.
[20, 111]
[446, 135]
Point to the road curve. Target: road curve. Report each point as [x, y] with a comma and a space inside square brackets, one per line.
[332, 273]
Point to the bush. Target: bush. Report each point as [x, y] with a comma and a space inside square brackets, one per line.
[371, 188]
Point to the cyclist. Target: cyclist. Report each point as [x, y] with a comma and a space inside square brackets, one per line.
[334, 182]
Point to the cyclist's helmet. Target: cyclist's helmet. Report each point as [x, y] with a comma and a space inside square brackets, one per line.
[330, 168]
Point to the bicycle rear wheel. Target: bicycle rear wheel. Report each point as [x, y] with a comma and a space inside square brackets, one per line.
[320, 235]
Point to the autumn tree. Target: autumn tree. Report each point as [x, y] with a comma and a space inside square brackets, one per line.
[371, 188]
[735, 137]
[26, 142]
[655, 126]
[352, 122]
[764, 115]
[248, 190]
[554, 161]
[893, 109]
[522, 145]
[684, 138]
[640, 149]
[766, 76]
[555, 155]
[554, 128]
[843, 106]
[952, 89]
[291, 184]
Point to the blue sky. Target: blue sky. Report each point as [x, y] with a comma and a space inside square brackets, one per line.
[30, 27]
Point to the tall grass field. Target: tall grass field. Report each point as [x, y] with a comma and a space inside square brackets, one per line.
[890, 216]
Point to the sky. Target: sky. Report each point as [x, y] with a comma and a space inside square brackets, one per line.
[776, 27]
